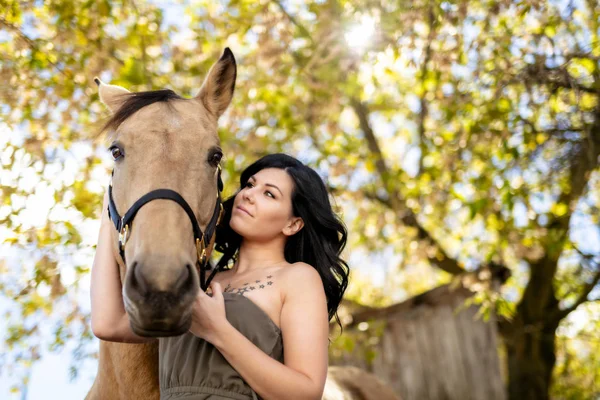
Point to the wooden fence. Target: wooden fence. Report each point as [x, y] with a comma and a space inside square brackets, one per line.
[430, 347]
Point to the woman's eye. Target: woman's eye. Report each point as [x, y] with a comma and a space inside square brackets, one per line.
[116, 153]
[268, 193]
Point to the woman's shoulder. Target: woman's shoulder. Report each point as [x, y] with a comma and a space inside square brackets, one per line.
[300, 276]
[299, 268]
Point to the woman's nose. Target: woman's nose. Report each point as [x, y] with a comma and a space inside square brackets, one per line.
[248, 195]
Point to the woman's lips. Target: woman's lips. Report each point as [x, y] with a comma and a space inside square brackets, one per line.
[242, 209]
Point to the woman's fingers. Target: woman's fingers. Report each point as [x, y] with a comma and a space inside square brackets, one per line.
[216, 289]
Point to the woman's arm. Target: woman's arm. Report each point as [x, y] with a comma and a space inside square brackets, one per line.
[305, 330]
[109, 319]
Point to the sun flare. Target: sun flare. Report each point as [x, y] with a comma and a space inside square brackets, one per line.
[360, 35]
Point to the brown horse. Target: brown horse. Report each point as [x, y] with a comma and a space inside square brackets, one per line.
[161, 140]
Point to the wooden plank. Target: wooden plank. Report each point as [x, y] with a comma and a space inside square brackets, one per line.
[455, 379]
[409, 362]
[428, 348]
[483, 359]
[496, 387]
[471, 360]
[386, 362]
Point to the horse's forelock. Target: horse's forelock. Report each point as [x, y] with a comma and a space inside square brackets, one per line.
[135, 102]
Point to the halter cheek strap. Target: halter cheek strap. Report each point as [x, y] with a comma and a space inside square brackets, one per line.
[202, 240]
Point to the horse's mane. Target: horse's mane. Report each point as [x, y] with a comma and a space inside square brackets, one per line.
[136, 101]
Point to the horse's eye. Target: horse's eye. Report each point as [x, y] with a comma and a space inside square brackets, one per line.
[116, 152]
[215, 159]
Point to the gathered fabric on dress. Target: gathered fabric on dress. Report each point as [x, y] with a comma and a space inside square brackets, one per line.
[191, 368]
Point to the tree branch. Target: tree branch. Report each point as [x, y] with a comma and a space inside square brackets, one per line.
[586, 290]
[293, 20]
[558, 77]
[363, 116]
[552, 129]
[32, 45]
[589, 56]
[423, 101]
[407, 217]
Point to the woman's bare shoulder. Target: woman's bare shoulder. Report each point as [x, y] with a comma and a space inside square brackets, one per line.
[298, 275]
[290, 270]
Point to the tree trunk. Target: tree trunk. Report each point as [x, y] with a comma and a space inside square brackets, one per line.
[531, 357]
[530, 337]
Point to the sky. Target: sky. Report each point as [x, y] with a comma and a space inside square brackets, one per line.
[52, 371]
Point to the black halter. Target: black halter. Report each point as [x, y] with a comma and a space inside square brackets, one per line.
[202, 240]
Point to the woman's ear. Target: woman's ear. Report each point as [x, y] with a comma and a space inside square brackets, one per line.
[293, 226]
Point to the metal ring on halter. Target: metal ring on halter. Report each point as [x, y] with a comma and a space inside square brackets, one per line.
[220, 213]
[201, 249]
[123, 236]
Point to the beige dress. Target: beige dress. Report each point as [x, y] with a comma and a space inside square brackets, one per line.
[191, 368]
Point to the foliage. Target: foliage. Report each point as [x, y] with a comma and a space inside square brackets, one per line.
[578, 368]
[458, 134]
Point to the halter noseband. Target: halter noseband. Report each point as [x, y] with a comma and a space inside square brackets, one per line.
[122, 224]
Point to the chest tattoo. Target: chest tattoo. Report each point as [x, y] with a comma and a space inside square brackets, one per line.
[250, 286]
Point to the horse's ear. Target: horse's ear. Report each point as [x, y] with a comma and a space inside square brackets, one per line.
[217, 89]
[111, 95]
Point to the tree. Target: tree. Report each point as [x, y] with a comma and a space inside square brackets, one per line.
[463, 136]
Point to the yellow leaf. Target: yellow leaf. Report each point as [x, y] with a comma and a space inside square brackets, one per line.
[540, 138]
[370, 165]
[559, 209]
[588, 64]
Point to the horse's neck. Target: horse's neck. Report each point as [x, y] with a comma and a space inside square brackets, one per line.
[126, 371]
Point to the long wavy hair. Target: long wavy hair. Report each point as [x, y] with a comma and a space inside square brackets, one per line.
[319, 243]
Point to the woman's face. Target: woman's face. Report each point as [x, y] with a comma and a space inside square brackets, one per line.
[262, 209]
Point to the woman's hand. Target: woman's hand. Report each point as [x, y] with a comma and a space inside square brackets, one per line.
[208, 314]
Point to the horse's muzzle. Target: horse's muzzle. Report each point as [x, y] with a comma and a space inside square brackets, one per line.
[157, 308]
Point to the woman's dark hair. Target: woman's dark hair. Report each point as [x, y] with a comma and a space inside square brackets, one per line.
[319, 243]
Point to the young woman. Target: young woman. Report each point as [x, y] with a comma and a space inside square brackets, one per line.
[263, 329]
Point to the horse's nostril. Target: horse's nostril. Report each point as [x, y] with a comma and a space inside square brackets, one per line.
[137, 279]
[144, 283]
[184, 277]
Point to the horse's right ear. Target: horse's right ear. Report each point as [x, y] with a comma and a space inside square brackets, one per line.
[111, 95]
[217, 90]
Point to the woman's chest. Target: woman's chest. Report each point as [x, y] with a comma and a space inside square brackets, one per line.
[264, 291]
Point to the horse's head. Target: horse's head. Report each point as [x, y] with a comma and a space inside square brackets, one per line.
[163, 141]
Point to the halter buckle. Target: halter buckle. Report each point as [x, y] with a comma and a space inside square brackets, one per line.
[201, 250]
[220, 213]
[123, 235]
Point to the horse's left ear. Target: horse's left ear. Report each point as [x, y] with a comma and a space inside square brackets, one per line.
[217, 90]
[111, 95]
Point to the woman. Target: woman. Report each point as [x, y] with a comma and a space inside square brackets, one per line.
[263, 329]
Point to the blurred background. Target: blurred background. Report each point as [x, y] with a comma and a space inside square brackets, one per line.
[460, 141]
